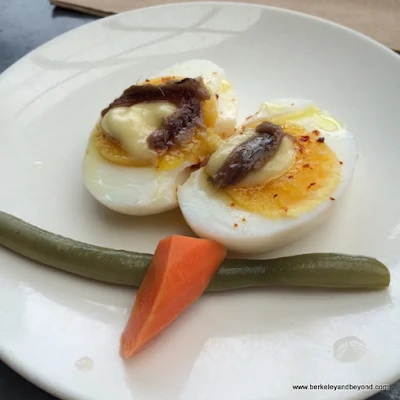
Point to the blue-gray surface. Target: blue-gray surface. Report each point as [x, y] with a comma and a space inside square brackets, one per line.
[25, 25]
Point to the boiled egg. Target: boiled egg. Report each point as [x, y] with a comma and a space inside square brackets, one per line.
[281, 199]
[124, 173]
[226, 101]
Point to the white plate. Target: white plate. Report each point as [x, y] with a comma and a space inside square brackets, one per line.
[238, 345]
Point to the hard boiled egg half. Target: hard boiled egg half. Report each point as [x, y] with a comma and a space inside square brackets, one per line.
[277, 177]
[147, 140]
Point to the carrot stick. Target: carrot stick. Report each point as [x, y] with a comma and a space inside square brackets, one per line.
[179, 273]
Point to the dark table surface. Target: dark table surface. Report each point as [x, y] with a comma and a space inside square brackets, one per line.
[25, 25]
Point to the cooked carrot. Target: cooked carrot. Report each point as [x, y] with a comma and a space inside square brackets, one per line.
[180, 271]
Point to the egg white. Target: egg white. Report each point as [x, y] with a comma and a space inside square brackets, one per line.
[209, 214]
[144, 190]
[131, 190]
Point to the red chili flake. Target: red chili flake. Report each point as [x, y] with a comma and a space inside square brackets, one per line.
[235, 225]
[243, 219]
[248, 117]
[147, 80]
[217, 96]
[301, 148]
[275, 195]
[290, 176]
[164, 80]
[311, 184]
[315, 132]
[304, 138]
[341, 162]
[321, 140]
[285, 209]
[306, 166]
[232, 204]
[332, 198]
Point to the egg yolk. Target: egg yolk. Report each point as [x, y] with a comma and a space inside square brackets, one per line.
[313, 177]
[201, 145]
[111, 150]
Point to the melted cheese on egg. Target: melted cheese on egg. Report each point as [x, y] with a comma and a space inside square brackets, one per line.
[277, 166]
[131, 126]
[122, 135]
[314, 175]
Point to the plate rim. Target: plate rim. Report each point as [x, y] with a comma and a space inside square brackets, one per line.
[300, 14]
